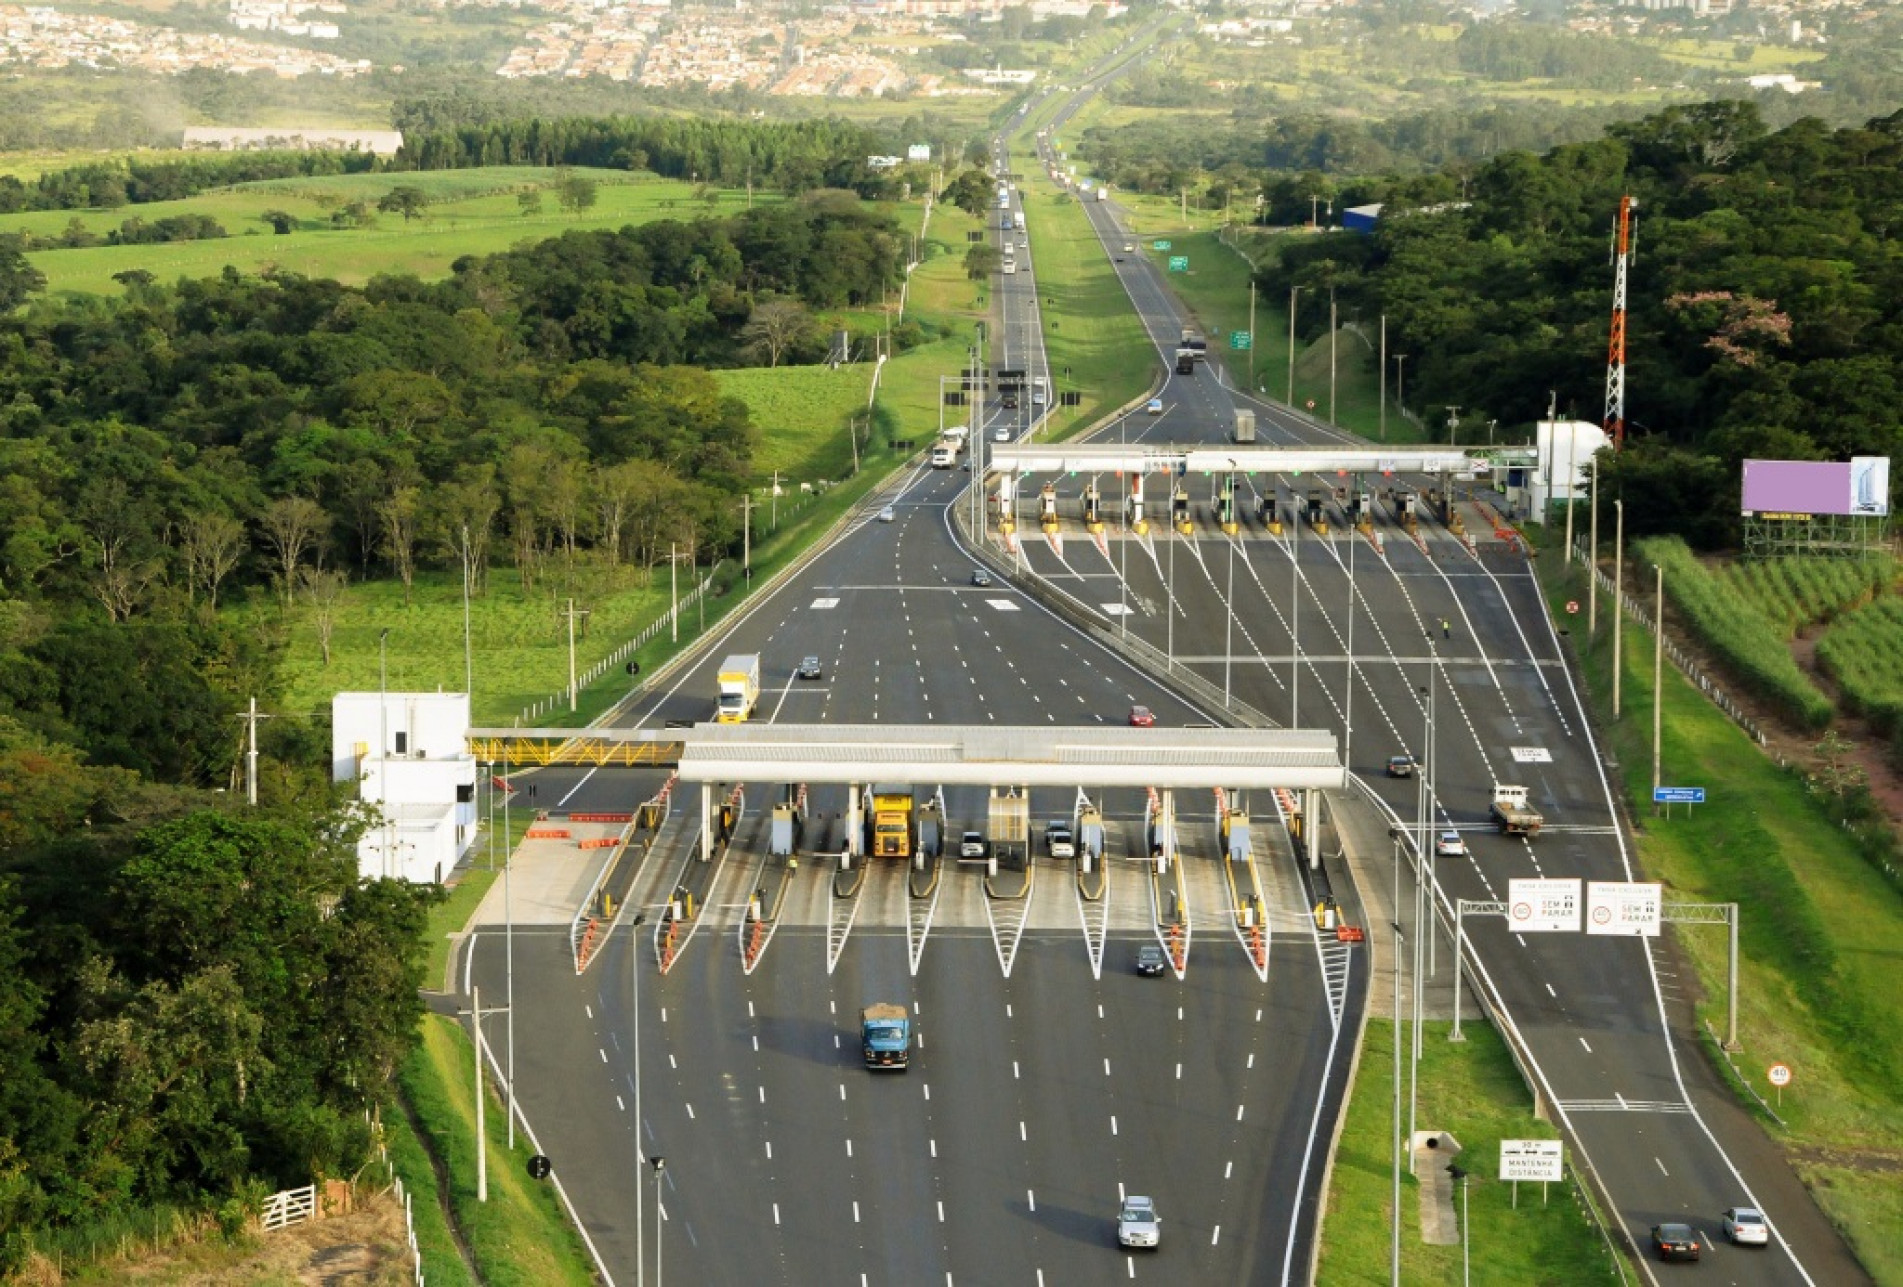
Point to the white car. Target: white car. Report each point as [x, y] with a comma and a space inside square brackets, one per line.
[1450, 845]
[886, 515]
[1746, 1227]
[1154, 407]
[1138, 1225]
[1001, 434]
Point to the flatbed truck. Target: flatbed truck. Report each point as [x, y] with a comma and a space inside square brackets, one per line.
[1511, 812]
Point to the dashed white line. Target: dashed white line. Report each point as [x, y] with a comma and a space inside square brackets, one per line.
[1582, 1042]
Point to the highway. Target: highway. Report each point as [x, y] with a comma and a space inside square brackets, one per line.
[1049, 1079]
[1606, 1021]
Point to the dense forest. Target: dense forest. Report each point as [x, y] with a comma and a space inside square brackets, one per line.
[178, 971]
[1766, 304]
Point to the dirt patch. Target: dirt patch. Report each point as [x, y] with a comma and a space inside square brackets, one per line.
[363, 1249]
[1888, 1164]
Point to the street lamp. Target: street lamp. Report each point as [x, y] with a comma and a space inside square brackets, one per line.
[383, 744]
[660, 1165]
[1466, 1266]
[1394, 1216]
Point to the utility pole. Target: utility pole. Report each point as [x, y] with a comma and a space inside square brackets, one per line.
[1658, 672]
[1252, 383]
[1453, 424]
[1400, 384]
[1384, 377]
[1572, 473]
[482, 1134]
[1332, 336]
[746, 536]
[1618, 596]
[1592, 561]
[251, 752]
[1293, 291]
[469, 662]
[673, 594]
[571, 614]
[776, 499]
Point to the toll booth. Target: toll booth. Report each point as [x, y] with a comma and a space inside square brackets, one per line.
[931, 829]
[1047, 507]
[1226, 507]
[1235, 835]
[1317, 506]
[1179, 510]
[1009, 816]
[1007, 487]
[1138, 524]
[1160, 830]
[1090, 837]
[783, 838]
[1093, 507]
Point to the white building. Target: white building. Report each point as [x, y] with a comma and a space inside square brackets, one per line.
[407, 753]
[1561, 443]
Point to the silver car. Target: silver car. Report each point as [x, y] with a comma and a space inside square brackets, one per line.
[1138, 1224]
[1745, 1226]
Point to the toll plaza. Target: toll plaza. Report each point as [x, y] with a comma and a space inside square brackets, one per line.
[1125, 488]
[765, 824]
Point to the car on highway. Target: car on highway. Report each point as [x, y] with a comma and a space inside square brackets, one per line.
[1142, 717]
[1128, 246]
[887, 514]
[1154, 407]
[1138, 1224]
[1150, 960]
[973, 845]
[1024, 243]
[1675, 1242]
[1008, 401]
[809, 668]
[980, 577]
[1119, 258]
[1450, 845]
[1001, 434]
[1401, 766]
[1746, 1227]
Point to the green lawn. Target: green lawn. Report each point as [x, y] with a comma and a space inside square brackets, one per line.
[1819, 939]
[519, 642]
[802, 413]
[1472, 1091]
[473, 212]
[946, 303]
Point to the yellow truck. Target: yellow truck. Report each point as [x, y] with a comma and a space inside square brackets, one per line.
[893, 822]
[739, 688]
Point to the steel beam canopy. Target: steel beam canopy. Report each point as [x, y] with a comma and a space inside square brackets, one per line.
[968, 755]
[1099, 457]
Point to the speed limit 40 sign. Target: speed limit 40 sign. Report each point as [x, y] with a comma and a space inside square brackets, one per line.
[1779, 1074]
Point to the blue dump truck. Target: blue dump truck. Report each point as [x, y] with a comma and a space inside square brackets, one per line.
[887, 1031]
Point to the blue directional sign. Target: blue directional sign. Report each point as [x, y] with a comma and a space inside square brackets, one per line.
[1179, 263]
[1160, 244]
[1678, 795]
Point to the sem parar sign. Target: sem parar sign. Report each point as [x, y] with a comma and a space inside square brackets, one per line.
[1543, 906]
[1629, 908]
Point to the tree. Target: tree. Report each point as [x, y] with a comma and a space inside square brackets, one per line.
[293, 526]
[324, 590]
[530, 202]
[399, 512]
[577, 193]
[119, 528]
[777, 326]
[282, 222]
[18, 278]
[406, 199]
[981, 261]
[212, 544]
[461, 516]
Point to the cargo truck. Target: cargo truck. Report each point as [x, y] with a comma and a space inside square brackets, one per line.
[892, 819]
[739, 688]
[1513, 814]
[886, 1032]
[944, 456]
[1018, 219]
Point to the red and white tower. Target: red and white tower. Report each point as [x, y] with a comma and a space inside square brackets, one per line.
[1615, 350]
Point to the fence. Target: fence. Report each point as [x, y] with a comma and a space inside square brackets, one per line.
[542, 706]
[402, 1196]
[1686, 663]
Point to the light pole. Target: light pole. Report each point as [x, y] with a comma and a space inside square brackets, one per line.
[1293, 291]
[1466, 1229]
[1384, 377]
[1618, 598]
[634, 976]
[1592, 558]
[660, 1165]
[1394, 1216]
[1229, 618]
[383, 744]
[1295, 619]
[1400, 385]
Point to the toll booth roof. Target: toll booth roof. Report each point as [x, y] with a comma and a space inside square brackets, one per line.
[967, 755]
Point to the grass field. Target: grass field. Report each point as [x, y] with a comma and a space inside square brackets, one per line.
[802, 413]
[473, 212]
[1472, 1091]
[946, 303]
[1818, 940]
[1094, 343]
[519, 642]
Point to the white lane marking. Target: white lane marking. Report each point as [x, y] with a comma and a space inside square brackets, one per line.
[1582, 1041]
[1106, 1066]
[934, 1148]
[602, 1053]
[842, 1092]
[1030, 1198]
[1251, 1062]
[855, 1210]
[618, 1104]
[1239, 1112]
[590, 1011]
[1215, 1235]
[1022, 1136]
[1662, 1171]
[1227, 1169]
[776, 1213]
[941, 1211]
[769, 1150]
[763, 1094]
[1551, 993]
[848, 1147]
[1113, 1127]
[690, 1112]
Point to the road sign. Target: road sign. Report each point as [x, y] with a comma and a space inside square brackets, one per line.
[1162, 244]
[1240, 340]
[1543, 906]
[1779, 1074]
[1179, 263]
[1678, 795]
[1572, 607]
[1531, 1160]
[1623, 907]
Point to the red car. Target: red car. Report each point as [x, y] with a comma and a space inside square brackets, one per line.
[1140, 717]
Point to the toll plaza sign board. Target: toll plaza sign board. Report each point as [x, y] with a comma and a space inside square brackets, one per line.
[1627, 907]
[1543, 906]
[1532, 1160]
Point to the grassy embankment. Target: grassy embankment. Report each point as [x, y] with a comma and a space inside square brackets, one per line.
[1818, 940]
[472, 212]
[1472, 1091]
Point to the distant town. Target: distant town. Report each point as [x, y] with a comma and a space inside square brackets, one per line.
[864, 49]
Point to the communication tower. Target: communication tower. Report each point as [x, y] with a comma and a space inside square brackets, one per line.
[1615, 350]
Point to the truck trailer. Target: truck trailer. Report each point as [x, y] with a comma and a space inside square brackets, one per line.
[739, 688]
[886, 1034]
[1245, 425]
[1512, 813]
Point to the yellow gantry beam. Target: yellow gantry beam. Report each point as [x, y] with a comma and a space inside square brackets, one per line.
[534, 746]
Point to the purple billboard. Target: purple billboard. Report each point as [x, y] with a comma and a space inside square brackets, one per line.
[1860, 486]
